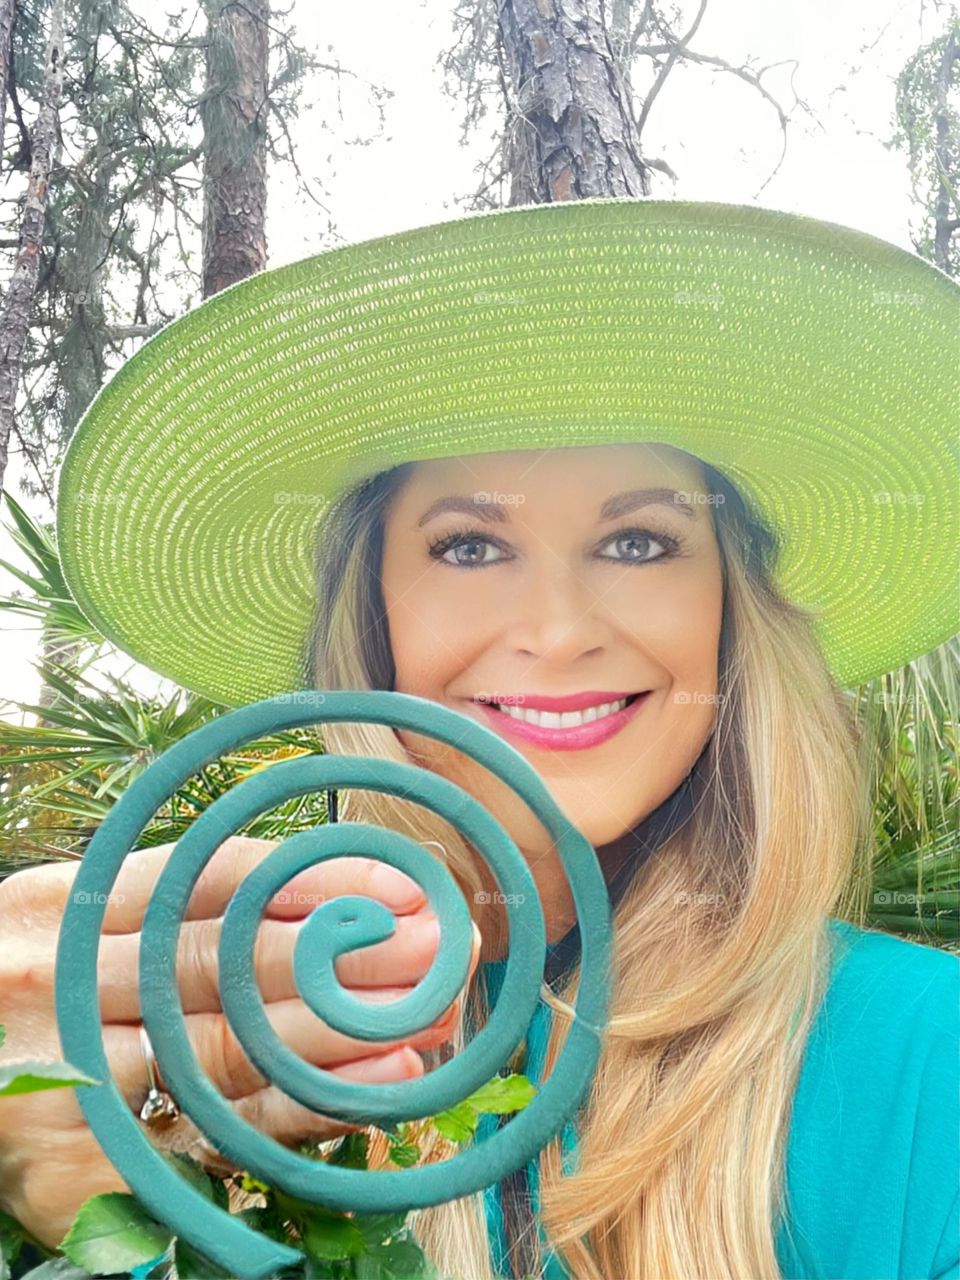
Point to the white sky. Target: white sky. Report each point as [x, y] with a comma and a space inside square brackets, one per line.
[715, 131]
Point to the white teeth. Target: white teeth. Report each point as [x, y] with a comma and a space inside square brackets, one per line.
[562, 720]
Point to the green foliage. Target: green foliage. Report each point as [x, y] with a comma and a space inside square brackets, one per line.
[928, 132]
[910, 725]
[500, 1096]
[62, 778]
[114, 1233]
[34, 1077]
[121, 253]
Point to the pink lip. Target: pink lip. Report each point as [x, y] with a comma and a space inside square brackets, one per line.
[573, 739]
[571, 702]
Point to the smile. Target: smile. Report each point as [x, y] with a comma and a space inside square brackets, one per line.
[563, 730]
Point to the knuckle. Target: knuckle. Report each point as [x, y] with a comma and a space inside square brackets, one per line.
[198, 942]
[25, 891]
[215, 1049]
[21, 978]
[269, 952]
[356, 966]
[238, 853]
[369, 866]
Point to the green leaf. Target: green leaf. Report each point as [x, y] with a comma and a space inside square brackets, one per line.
[399, 1260]
[193, 1264]
[503, 1094]
[263, 1219]
[249, 1183]
[56, 1269]
[193, 1171]
[498, 1096]
[11, 1238]
[190, 1169]
[163, 1268]
[351, 1152]
[309, 1268]
[113, 1233]
[457, 1124]
[32, 1077]
[377, 1227]
[404, 1154]
[331, 1236]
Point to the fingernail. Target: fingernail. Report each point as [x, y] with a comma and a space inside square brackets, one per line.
[394, 888]
[428, 926]
[402, 1064]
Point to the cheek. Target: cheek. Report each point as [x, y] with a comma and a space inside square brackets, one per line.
[676, 621]
[433, 635]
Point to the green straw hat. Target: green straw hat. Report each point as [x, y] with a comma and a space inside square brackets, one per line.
[816, 366]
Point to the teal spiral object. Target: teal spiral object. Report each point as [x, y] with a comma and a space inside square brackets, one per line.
[334, 927]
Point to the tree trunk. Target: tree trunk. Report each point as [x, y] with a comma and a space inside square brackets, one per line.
[233, 111]
[947, 220]
[18, 303]
[573, 135]
[7, 12]
[84, 371]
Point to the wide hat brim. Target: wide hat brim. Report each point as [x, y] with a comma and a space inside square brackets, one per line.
[816, 366]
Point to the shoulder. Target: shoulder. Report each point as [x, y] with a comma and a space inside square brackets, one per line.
[874, 1155]
[891, 993]
[886, 1041]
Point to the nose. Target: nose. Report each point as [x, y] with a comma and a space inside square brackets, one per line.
[555, 616]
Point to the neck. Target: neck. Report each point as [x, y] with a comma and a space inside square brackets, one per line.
[553, 888]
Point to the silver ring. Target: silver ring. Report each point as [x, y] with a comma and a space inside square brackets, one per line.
[159, 1110]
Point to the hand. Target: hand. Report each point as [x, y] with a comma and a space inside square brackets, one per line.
[50, 1162]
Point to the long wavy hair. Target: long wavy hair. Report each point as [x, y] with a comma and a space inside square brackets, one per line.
[681, 1152]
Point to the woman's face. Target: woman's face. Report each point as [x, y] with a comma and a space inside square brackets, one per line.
[560, 575]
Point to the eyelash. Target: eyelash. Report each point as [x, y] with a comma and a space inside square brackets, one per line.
[457, 537]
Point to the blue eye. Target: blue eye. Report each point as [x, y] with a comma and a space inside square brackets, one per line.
[474, 538]
[464, 540]
[647, 537]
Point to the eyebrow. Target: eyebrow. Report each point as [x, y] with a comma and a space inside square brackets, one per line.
[619, 504]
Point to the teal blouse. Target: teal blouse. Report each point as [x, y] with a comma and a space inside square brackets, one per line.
[873, 1153]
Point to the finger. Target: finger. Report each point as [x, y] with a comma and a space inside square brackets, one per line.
[274, 1112]
[401, 961]
[222, 1057]
[232, 863]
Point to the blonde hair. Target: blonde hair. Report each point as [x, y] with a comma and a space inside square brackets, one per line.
[680, 1166]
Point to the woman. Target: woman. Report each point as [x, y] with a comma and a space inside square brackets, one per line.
[770, 1077]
